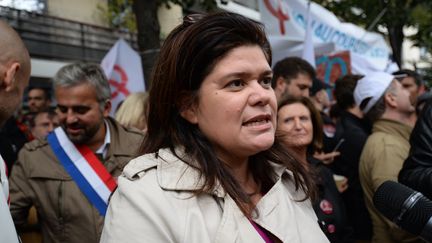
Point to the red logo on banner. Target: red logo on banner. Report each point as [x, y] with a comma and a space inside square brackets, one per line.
[119, 87]
[278, 13]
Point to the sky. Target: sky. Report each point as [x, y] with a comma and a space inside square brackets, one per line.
[29, 5]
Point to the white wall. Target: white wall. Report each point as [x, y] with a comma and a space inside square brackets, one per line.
[85, 11]
[169, 18]
[45, 68]
[240, 9]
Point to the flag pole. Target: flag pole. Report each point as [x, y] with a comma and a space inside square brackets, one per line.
[308, 47]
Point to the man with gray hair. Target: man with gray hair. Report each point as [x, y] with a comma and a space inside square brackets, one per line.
[387, 104]
[14, 77]
[70, 175]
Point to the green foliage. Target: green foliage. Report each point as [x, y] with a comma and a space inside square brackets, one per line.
[427, 77]
[119, 14]
[187, 4]
[422, 16]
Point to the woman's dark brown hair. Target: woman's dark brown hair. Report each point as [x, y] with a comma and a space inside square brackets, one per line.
[187, 56]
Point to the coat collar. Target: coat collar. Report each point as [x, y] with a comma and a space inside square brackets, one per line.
[120, 140]
[175, 174]
[392, 127]
[123, 145]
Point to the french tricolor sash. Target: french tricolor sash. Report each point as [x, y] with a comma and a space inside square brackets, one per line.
[92, 178]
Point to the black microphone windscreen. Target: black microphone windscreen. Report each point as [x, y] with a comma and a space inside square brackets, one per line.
[389, 199]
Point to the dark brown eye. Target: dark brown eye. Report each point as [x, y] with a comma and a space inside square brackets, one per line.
[266, 82]
[238, 83]
[62, 109]
[81, 109]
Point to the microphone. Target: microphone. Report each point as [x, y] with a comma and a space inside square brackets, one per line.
[407, 208]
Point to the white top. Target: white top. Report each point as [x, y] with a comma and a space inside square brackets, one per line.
[7, 229]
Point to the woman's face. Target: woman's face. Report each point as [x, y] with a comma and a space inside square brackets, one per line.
[295, 125]
[236, 107]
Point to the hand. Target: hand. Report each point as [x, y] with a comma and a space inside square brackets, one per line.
[326, 158]
[341, 182]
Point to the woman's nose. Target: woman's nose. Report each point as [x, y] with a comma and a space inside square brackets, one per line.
[261, 95]
[297, 124]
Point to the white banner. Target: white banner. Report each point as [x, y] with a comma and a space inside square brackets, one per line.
[288, 18]
[122, 66]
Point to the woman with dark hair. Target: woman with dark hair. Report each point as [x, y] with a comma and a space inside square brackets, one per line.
[300, 129]
[211, 169]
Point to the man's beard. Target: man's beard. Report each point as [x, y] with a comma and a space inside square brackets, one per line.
[86, 136]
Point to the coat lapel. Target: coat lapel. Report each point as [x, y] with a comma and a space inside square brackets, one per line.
[233, 221]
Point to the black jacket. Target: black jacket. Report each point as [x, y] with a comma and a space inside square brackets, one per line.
[417, 169]
[12, 139]
[329, 206]
[355, 132]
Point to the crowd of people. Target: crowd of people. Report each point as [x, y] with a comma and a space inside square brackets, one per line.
[223, 147]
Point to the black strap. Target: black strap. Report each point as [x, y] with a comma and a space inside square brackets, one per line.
[407, 205]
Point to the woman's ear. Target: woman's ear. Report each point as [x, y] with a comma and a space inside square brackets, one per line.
[188, 109]
[189, 114]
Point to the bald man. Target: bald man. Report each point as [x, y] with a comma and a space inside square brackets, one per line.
[14, 76]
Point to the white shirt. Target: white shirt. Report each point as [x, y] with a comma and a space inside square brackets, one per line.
[7, 229]
[103, 149]
[3, 178]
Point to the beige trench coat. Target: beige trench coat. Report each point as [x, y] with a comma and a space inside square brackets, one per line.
[153, 203]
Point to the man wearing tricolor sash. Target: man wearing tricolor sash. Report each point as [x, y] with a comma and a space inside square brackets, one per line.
[70, 175]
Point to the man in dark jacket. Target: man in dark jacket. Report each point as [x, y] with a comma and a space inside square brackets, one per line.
[42, 178]
[417, 169]
[354, 130]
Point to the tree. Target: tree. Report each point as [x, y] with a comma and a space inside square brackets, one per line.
[395, 15]
[149, 29]
[422, 16]
[119, 14]
[148, 34]
[143, 19]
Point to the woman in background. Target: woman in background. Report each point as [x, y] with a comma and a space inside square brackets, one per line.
[300, 128]
[133, 111]
[212, 170]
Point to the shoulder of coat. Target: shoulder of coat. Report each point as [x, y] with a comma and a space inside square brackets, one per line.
[135, 131]
[36, 144]
[137, 167]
